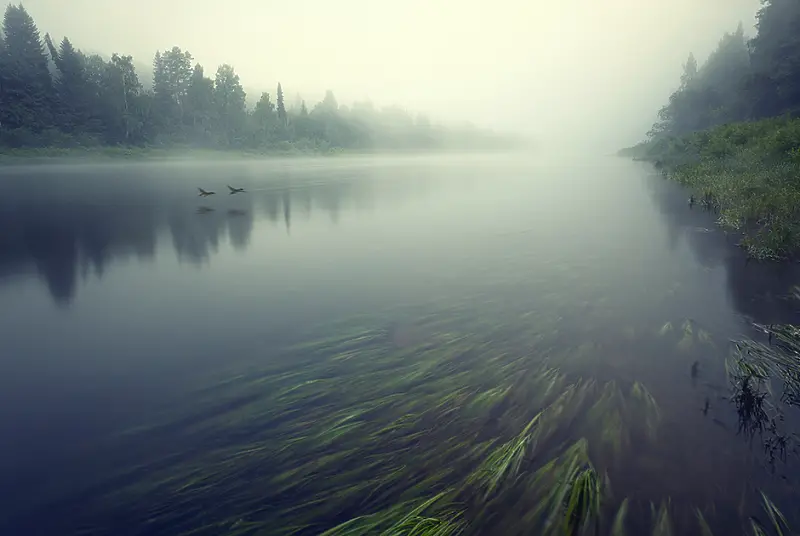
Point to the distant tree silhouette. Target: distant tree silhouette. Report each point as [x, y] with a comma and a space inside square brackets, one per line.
[92, 100]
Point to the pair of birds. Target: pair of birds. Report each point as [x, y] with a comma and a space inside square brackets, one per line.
[206, 193]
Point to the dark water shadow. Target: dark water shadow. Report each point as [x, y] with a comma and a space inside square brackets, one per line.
[759, 291]
[63, 224]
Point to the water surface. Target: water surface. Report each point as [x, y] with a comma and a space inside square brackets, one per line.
[125, 301]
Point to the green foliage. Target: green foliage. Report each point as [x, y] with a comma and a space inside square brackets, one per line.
[745, 171]
[73, 89]
[728, 132]
[229, 100]
[741, 80]
[91, 100]
[27, 91]
[776, 55]
[709, 95]
[123, 111]
[200, 112]
[401, 520]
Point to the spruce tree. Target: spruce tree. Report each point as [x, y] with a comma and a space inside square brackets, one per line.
[76, 98]
[28, 87]
[281, 106]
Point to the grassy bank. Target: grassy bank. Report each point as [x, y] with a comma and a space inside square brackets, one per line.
[748, 173]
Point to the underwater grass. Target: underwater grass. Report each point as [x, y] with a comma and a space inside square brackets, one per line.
[405, 519]
[764, 380]
[505, 462]
[618, 526]
[351, 433]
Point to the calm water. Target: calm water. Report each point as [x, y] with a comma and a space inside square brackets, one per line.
[120, 298]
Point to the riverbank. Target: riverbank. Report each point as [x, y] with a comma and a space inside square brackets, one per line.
[56, 154]
[747, 173]
[105, 153]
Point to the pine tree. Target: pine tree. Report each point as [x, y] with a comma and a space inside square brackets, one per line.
[281, 106]
[27, 86]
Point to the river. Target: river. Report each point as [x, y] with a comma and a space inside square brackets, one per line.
[164, 365]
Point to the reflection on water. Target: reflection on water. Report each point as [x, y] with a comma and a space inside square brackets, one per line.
[442, 305]
[759, 291]
[65, 232]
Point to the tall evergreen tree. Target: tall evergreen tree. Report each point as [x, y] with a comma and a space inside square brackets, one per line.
[76, 97]
[28, 87]
[281, 106]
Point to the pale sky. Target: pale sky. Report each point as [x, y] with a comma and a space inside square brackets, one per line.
[578, 72]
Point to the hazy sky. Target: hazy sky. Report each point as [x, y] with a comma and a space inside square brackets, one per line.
[584, 71]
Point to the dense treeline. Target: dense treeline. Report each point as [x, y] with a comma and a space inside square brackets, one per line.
[52, 94]
[742, 79]
[731, 132]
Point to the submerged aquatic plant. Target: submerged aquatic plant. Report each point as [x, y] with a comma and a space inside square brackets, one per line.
[582, 507]
[618, 526]
[777, 519]
[705, 530]
[662, 525]
[752, 368]
[477, 429]
[405, 519]
[778, 526]
[647, 408]
[565, 491]
[505, 461]
[609, 414]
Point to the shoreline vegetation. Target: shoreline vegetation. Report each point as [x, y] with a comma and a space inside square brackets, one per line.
[41, 155]
[747, 174]
[59, 101]
[730, 133]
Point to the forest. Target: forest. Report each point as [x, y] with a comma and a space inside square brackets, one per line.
[730, 132]
[55, 95]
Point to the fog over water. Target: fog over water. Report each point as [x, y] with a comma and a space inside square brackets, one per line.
[574, 73]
